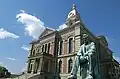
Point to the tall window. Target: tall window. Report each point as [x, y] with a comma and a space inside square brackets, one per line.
[70, 63]
[60, 47]
[33, 53]
[38, 50]
[60, 66]
[36, 65]
[31, 50]
[30, 66]
[70, 45]
[48, 48]
[43, 48]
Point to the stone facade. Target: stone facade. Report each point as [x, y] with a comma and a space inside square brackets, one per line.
[52, 56]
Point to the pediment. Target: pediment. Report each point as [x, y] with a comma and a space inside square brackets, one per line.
[46, 32]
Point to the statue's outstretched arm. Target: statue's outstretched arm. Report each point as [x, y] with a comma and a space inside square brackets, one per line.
[92, 49]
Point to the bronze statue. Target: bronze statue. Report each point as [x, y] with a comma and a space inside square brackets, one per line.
[83, 60]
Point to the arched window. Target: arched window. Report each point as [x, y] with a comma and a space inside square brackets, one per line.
[30, 66]
[60, 47]
[43, 48]
[48, 48]
[33, 53]
[70, 45]
[37, 65]
[38, 50]
[60, 66]
[70, 63]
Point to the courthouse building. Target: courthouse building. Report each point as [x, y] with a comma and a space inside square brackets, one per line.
[52, 55]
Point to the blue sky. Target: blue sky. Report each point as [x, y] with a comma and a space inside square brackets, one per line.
[21, 20]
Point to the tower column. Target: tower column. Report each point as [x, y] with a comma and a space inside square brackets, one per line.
[33, 68]
[40, 63]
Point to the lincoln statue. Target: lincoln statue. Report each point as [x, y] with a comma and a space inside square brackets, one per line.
[83, 60]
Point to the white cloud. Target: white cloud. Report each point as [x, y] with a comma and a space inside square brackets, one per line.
[33, 26]
[62, 26]
[10, 58]
[25, 47]
[117, 58]
[5, 34]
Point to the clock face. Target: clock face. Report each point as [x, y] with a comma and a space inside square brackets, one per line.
[71, 14]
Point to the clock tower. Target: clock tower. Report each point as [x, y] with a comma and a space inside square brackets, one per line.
[73, 16]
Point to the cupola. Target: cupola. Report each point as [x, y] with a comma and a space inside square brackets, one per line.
[73, 16]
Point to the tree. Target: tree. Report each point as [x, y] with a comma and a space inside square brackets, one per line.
[4, 72]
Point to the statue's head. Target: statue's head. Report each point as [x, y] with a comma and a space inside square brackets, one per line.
[85, 38]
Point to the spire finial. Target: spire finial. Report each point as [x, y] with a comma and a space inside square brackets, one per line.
[73, 7]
